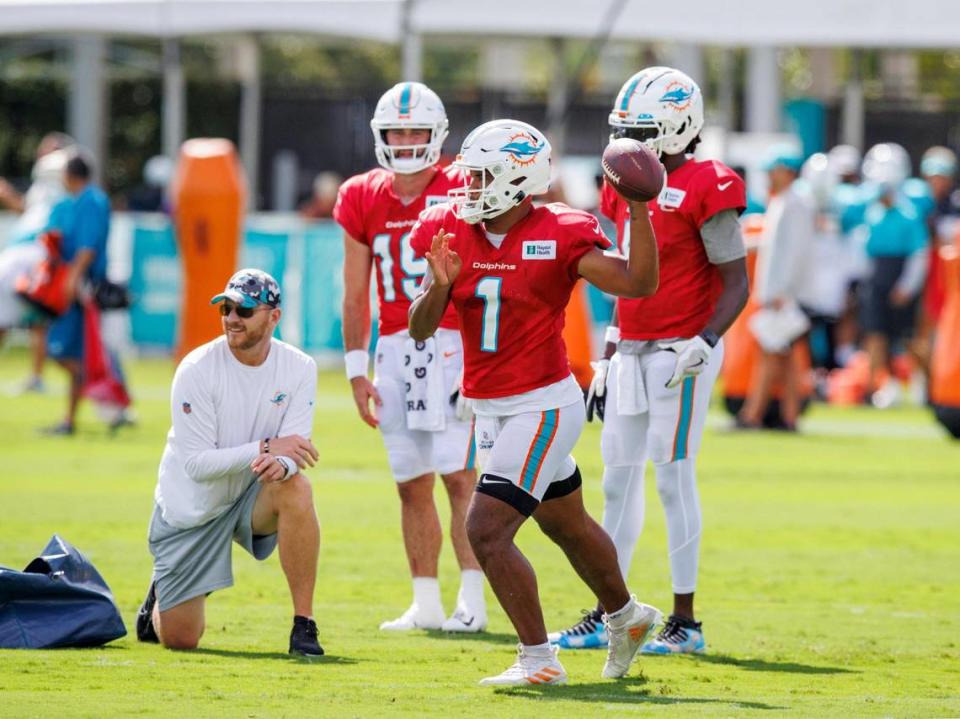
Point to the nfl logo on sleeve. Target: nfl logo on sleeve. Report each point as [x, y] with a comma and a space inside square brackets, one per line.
[540, 250]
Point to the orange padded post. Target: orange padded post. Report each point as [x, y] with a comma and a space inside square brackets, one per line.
[945, 363]
[209, 198]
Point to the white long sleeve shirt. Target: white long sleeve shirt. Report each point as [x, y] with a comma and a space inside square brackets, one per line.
[221, 409]
[782, 259]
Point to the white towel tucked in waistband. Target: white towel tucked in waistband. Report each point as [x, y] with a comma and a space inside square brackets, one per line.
[426, 395]
[631, 393]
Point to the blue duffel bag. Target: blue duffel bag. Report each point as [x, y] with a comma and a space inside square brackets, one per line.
[59, 600]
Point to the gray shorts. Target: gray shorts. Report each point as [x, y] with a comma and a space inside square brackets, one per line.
[193, 562]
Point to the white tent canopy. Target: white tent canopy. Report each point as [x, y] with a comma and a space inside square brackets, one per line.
[862, 23]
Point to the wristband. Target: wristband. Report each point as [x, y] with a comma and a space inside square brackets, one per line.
[289, 466]
[357, 363]
[612, 334]
[266, 446]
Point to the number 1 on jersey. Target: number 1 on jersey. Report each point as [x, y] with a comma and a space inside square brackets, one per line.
[488, 288]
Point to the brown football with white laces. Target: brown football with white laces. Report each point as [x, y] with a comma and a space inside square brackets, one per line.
[633, 169]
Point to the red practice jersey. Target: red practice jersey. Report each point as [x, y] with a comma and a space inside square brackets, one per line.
[511, 300]
[689, 285]
[371, 213]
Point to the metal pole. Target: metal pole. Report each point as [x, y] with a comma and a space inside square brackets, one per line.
[412, 49]
[250, 101]
[86, 106]
[174, 99]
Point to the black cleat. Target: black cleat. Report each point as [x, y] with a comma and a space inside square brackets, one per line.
[145, 629]
[303, 638]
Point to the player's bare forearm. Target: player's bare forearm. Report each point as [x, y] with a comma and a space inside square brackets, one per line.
[643, 264]
[427, 310]
[636, 276]
[733, 297]
[356, 322]
[356, 294]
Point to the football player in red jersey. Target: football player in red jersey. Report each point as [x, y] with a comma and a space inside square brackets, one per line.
[508, 269]
[652, 388]
[413, 381]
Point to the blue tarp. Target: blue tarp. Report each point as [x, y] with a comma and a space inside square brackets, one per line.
[59, 600]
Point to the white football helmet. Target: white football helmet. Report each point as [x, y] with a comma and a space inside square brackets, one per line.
[819, 178]
[660, 107]
[409, 105]
[844, 160]
[886, 164]
[514, 159]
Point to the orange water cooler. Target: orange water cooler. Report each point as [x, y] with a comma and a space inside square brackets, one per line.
[209, 199]
[945, 363]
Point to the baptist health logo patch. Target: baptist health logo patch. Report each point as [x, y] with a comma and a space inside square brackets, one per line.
[539, 250]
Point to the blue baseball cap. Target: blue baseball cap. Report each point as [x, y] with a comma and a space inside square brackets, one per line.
[783, 156]
[249, 288]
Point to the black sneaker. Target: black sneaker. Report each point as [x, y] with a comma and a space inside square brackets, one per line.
[588, 633]
[145, 630]
[303, 638]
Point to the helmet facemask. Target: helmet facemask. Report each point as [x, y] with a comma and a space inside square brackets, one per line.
[421, 156]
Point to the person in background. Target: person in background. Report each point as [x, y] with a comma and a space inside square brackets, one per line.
[938, 168]
[83, 219]
[151, 195]
[847, 205]
[45, 191]
[897, 246]
[823, 294]
[320, 205]
[781, 273]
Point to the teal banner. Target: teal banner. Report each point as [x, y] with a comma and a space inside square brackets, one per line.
[155, 285]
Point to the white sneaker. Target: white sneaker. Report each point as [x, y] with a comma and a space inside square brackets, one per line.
[466, 621]
[415, 618]
[530, 670]
[626, 637]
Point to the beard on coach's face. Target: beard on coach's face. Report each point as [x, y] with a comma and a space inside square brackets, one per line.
[246, 334]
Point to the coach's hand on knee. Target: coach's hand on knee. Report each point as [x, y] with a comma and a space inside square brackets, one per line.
[269, 468]
[297, 447]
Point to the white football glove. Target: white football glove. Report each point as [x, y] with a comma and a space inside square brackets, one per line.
[461, 405]
[692, 357]
[597, 392]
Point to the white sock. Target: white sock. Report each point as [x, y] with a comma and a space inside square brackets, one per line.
[623, 510]
[471, 590]
[426, 594]
[677, 485]
[619, 617]
[538, 650]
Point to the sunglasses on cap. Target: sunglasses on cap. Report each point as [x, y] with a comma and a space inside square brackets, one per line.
[242, 312]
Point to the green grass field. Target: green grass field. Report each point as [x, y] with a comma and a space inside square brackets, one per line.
[830, 578]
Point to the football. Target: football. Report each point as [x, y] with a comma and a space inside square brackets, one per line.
[633, 169]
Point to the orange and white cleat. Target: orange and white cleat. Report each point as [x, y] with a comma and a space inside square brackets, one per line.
[529, 670]
[627, 633]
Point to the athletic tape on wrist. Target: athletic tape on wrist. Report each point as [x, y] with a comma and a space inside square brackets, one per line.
[289, 465]
[612, 334]
[357, 363]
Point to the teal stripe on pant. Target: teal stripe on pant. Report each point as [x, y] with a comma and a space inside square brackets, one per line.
[541, 442]
[686, 416]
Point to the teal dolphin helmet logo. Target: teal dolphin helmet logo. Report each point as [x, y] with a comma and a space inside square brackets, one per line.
[521, 149]
[678, 95]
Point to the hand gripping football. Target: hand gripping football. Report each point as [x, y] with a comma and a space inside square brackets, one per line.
[633, 169]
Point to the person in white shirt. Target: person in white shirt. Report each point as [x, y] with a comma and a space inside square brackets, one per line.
[242, 408]
[782, 271]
